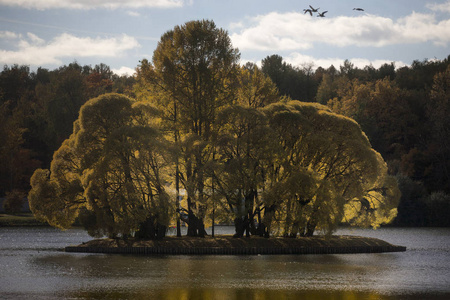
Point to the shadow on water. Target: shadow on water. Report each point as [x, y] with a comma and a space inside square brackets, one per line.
[346, 277]
[247, 294]
[32, 266]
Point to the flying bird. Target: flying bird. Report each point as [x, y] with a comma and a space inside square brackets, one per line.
[359, 9]
[307, 10]
[314, 9]
[322, 14]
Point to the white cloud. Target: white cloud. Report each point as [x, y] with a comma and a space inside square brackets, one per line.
[296, 31]
[236, 25]
[421, 28]
[35, 39]
[273, 31]
[443, 7]
[133, 13]
[124, 71]
[35, 51]
[8, 35]
[92, 4]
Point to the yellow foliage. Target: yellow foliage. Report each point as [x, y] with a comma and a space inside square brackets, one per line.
[109, 169]
[350, 178]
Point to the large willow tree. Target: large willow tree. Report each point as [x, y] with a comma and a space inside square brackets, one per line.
[109, 173]
[324, 171]
[191, 78]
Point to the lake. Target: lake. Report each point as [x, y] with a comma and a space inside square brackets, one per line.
[33, 266]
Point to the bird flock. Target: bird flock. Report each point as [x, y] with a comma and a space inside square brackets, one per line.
[312, 10]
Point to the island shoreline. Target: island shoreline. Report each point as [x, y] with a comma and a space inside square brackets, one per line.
[227, 245]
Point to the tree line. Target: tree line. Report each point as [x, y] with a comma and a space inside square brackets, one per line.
[37, 110]
[404, 112]
[216, 145]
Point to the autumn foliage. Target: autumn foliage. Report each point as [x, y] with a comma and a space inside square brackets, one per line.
[193, 136]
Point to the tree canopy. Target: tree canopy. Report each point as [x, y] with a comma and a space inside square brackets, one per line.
[193, 76]
[325, 172]
[205, 140]
[38, 108]
[109, 173]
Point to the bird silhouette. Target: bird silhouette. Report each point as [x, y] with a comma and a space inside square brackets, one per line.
[314, 9]
[307, 10]
[322, 14]
[359, 9]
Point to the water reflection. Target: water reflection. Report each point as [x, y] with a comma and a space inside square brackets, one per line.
[99, 276]
[33, 266]
[231, 294]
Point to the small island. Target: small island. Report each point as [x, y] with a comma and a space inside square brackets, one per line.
[228, 245]
[204, 141]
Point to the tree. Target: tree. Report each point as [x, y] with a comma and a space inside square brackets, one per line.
[14, 201]
[64, 96]
[412, 208]
[193, 77]
[15, 89]
[244, 149]
[419, 76]
[15, 85]
[438, 209]
[326, 172]
[109, 173]
[18, 162]
[37, 110]
[274, 67]
[330, 88]
[383, 111]
[297, 83]
[438, 110]
[240, 147]
[255, 88]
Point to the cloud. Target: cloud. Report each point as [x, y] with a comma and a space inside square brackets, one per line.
[443, 7]
[35, 39]
[133, 13]
[92, 4]
[8, 35]
[124, 71]
[273, 31]
[296, 31]
[236, 25]
[66, 29]
[35, 51]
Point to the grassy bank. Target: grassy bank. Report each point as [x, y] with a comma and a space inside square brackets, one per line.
[23, 219]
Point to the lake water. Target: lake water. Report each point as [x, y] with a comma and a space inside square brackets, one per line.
[33, 266]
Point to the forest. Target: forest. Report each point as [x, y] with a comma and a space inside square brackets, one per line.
[223, 157]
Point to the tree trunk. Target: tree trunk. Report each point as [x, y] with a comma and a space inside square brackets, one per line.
[146, 230]
[310, 228]
[196, 227]
[247, 224]
[190, 221]
[239, 227]
[268, 219]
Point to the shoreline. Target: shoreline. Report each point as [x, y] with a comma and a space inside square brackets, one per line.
[227, 245]
[24, 219]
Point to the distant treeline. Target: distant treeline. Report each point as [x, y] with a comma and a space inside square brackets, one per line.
[37, 111]
[405, 112]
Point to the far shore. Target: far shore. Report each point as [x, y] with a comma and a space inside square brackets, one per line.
[228, 245]
[18, 220]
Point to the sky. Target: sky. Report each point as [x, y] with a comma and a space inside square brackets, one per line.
[120, 33]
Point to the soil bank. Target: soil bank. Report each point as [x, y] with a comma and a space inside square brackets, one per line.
[227, 245]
